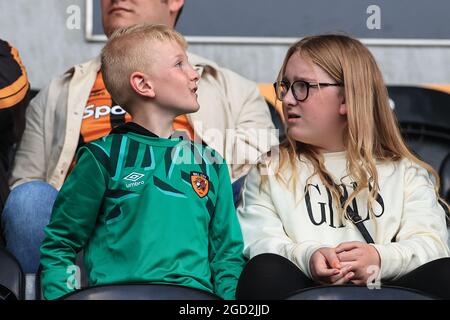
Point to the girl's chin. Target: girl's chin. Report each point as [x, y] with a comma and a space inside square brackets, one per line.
[296, 137]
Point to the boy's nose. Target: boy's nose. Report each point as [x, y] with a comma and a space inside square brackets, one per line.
[195, 75]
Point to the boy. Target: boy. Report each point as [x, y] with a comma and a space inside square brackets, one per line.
[144, 207]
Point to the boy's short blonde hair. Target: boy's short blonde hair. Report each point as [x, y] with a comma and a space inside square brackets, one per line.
[128, 50]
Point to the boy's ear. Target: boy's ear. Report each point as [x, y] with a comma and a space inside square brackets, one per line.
[175, 6]
[141, 84]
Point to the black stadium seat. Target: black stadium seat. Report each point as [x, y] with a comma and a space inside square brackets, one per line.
[351, 292]
[424, 118]
[135, 291]
[140, 292]
[12, 280]
[445, 179]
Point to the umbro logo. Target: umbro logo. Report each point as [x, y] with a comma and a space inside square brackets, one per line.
[134, 176]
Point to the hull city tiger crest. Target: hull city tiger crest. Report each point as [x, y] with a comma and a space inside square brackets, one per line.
[200, 183]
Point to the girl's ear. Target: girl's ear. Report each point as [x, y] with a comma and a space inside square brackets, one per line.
[141, 84]
[343, 106]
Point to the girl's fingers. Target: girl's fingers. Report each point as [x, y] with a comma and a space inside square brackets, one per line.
[345, 279]
[344, 272]
[347, 246]
[332, 259]
[326, 273]
[348, 256]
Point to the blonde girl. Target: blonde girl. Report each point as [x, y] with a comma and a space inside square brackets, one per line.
[343, 200]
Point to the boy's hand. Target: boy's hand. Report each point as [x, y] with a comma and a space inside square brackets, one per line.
[359, 256]
[326, 268]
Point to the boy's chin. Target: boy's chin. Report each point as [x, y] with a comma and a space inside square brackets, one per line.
[194, 108]
[187, 109]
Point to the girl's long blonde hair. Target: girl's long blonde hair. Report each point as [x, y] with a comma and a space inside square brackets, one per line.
[372, 132]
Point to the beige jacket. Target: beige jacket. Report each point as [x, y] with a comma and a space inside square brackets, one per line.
[227, 101]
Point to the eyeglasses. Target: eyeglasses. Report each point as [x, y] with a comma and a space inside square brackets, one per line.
[300, 88]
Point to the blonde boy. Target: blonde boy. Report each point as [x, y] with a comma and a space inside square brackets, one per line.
[140, 214]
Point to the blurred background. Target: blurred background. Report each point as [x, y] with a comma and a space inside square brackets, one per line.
[417, 49]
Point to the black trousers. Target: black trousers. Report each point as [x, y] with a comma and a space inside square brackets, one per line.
[273, 277]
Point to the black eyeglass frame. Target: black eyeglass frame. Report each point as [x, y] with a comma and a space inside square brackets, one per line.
[308, 85]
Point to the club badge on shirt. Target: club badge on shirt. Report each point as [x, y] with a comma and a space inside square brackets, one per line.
[200, 183]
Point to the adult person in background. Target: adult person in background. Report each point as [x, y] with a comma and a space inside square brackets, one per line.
[14, 89]
[76, 108]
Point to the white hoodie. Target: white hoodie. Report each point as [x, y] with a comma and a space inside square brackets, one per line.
[410, 225]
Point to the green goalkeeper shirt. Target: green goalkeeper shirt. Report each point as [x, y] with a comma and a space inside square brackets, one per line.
[145, 210]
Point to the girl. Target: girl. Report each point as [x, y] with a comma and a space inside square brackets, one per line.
[347, 201]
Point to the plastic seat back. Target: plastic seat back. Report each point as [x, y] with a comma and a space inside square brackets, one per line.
[140, 292]
[351, 292]
[12, 279]
[424, 118]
